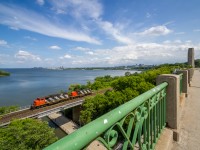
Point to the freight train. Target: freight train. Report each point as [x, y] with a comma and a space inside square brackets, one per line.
[56, 98]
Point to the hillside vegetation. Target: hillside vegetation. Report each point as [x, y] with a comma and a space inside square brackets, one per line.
[124, 88]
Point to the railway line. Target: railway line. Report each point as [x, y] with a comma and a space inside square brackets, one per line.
[43, 111]
[29, 113]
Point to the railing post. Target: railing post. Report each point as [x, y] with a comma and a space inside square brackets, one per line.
[172, 101]
[190, 75]
[185, 81]
[191, 57]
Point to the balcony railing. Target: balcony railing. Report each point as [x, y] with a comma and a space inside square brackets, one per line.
[135, 124]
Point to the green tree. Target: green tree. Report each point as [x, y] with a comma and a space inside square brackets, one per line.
[97, 85]
[94, 107]
[127, 73]
[130, 94]
[27, 134]
[89, 84]
[74, 87]
[4, 73]
[102, 82]
[88, 110]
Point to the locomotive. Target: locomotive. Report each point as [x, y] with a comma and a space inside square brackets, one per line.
[56, 98]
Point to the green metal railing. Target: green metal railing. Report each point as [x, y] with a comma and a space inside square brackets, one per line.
[181, 82]
[137, 123]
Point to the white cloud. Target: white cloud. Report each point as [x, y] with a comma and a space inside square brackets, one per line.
[14, 28]
[114, 32]
[40, 2]
[21, 18]
[90, 53]
[30, 38]
[55, 47]
[92, 10]
[145, 53]
[84, 49]
[177, 41]
[78, 8]
[174, 42]
[155, 31]
[167, 42]
[168, 23]
[3, 43]
[81, 48]
[148, 15]
[66, 56]
[179, 33]
[196, 30]
[26, 56]
[188, 41]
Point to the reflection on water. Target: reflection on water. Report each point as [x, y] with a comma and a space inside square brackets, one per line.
[24, 84]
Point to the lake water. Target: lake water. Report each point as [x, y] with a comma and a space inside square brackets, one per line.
[24, 85]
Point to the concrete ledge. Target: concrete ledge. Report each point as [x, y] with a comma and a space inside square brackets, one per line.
[172, 98]
[182, 100]
[165, 141]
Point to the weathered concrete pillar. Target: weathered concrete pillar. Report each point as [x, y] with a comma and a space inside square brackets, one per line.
[191, 57]
[172, 101]
[76, 113]
[185, 81]
[190, 75]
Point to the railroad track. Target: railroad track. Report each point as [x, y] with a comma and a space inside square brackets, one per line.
[28, 112]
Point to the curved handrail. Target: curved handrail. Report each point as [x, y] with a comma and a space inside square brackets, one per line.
[145, 108]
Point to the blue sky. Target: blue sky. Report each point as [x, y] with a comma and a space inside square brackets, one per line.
[80, 33]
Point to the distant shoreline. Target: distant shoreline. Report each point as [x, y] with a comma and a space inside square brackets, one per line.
[86, 69]
[139, 67]
[4, 73]
[100, 68]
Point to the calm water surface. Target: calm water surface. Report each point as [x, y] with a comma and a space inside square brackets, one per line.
[24, 85]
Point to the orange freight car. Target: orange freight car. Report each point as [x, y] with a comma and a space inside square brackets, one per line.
[39, 102]
[74, 94]
[56, 98]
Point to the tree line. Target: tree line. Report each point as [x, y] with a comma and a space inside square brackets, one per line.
[124, 88]
[4, 73]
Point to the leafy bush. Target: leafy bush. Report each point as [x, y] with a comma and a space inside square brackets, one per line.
[30, 134]
[93, 108]
[101, 82]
